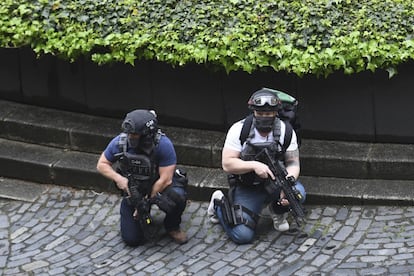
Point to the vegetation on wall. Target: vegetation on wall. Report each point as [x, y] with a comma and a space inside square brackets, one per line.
[298, 36]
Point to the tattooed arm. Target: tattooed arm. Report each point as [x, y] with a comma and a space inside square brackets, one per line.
[292, 163]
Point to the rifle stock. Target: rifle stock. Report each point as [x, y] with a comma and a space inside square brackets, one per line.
[145, 219]
[139, 200]
[287, 184]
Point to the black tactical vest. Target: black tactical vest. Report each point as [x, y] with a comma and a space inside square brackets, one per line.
[138, 167]
[251, 149]
[249, 152]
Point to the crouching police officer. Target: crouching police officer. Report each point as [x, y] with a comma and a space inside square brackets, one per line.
[238, 212]
[146, 174]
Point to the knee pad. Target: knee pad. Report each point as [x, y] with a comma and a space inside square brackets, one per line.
[176, 194]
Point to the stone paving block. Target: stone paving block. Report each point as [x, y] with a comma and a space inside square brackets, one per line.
[342, 214]
[34, 265]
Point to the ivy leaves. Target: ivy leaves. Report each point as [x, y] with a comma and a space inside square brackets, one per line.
[302, 37]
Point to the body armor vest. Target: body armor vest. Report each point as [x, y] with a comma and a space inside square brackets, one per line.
[252, 148]
[140, 168]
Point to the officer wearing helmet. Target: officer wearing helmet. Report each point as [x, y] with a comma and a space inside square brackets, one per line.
[145, 172]
[247, 177]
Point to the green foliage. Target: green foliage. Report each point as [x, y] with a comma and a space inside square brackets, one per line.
[298, 36]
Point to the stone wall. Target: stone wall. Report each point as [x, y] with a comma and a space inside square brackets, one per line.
[360, 107]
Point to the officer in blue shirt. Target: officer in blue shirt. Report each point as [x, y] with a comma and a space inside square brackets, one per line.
[146, 174]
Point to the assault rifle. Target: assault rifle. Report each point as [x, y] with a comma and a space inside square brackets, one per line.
[139, 199]
[287, 184]
[139, 191]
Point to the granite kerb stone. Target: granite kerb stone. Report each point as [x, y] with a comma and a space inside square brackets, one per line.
[50, 165]
[391, 161]
[57, 128]
[356, 160]
[78, 170]
[82, 132]
[27, 161]
[332, 190]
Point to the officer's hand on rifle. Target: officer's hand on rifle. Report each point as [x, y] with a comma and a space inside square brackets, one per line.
[262, 170]
[135, 215]
[122, 184]
[283, 201]
[156, 188]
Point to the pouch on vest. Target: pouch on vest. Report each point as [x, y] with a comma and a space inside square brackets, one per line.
[164, 202]
[140, 172]
[180, 179]
[249, 153]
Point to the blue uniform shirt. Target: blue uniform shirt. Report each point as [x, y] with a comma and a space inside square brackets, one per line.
[164, 152]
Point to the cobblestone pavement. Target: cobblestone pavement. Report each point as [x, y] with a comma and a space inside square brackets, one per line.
[76, 232]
